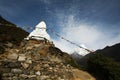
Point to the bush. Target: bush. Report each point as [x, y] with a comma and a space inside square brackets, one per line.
[103, 67]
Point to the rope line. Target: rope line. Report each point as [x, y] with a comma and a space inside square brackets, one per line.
[51, 30]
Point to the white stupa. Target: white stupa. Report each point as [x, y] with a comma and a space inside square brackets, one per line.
[39, 33]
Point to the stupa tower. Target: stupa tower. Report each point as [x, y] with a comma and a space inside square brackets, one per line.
[39, 33]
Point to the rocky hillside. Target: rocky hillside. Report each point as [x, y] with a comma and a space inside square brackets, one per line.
[39, 60]
[10, 34]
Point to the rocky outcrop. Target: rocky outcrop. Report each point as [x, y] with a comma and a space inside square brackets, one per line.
[39, 60]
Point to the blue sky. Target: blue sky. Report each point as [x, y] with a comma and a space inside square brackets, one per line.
[94, 23]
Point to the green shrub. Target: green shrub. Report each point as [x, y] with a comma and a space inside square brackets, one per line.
[103, 67]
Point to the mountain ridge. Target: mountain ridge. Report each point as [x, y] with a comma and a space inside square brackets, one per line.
[104, 64]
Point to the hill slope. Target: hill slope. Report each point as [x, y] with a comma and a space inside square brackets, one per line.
[104, 64]
[10, 34]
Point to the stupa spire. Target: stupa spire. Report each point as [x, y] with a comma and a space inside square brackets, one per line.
[42, 24]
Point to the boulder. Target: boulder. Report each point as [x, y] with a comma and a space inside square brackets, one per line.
[12, 56]
[21, 57]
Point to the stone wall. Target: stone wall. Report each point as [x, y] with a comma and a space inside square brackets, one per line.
[34, 61]
[23, 67]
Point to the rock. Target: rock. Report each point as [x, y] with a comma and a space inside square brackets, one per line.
[31, 76]
[7, 78]
[7, 74]
[23, 76]
[5, 70]
[50, 68]
[26, 72]
[14, 64]
[37, 68]
[14, 78]
[36, 57]
[29, 47]
[12, 56]
[46, 65]
[10, 45]
[38, 73]
[29, 61]
[32, 72]
[22, 57]
[44, 77]
[60, 79]
[16, 71]
[25, 65]
[37, 45]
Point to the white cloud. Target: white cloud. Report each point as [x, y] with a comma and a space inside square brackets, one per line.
[83, 33]
[63, 45]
